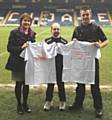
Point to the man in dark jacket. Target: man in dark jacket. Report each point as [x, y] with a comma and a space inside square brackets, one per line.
[55, 29]
[89, 32]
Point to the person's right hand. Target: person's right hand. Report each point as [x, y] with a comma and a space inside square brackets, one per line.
[24, 45]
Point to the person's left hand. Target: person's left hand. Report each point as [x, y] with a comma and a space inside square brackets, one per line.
[98, 44]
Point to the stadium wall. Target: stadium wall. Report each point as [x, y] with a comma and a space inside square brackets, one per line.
[44, 13]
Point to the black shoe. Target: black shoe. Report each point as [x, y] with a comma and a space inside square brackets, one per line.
[99, 113]
[20, 110]
[26, 109]
[74, 107]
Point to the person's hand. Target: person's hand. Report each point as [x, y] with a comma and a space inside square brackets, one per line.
[98, 44]
[101, 44]
[24, 45]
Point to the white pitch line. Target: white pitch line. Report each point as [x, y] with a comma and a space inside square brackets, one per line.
[42, 32]
[3, 53]
[69, 86]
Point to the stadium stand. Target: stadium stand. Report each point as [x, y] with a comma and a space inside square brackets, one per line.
[44, 12]
[2, 14]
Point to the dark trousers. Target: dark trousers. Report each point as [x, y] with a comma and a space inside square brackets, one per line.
[21, 89]
[95, 90]
[60, 84]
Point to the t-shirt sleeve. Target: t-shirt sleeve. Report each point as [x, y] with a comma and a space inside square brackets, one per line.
[101, 34]
[75, 33]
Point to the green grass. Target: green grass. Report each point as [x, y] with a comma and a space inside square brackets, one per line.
[44, 32]
[36, 100]
[37, 96]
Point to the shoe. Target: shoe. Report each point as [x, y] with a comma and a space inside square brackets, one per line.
[99, 113]
[74, 107]
[62, 106]
[47, 106]
[20, 109]
[26, 109]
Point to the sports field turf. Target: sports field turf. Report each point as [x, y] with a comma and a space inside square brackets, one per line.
[44, 32]
[37, 95]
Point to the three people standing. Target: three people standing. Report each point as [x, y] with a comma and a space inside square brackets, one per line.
[18, 38]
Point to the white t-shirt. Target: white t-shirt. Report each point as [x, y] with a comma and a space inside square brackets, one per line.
[79, 62]
[40, 65]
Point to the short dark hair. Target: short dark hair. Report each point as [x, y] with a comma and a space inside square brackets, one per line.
[85, 8]
[25, 15]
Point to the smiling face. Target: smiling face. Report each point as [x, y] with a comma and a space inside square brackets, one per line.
[85, 16]
[26, 23]
[55, 29]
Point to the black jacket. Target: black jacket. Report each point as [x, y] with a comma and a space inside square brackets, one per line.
[16, 40]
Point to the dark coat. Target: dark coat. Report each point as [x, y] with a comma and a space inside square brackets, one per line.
[16, 40]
